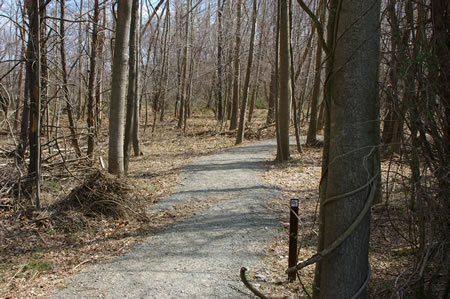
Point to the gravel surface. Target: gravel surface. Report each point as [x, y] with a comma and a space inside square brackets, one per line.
[199, 256]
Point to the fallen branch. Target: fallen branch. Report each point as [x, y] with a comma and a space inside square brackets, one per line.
[249, 286]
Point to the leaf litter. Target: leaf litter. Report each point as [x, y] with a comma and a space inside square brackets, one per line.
[89, 216]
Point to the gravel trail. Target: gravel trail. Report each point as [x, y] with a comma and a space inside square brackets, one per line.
[199, 256]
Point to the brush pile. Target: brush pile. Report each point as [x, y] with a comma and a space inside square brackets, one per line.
[101, 195]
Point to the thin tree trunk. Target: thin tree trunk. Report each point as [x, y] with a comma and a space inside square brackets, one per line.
[306, 58]
[285, 88]
[237, 68]
[272, 98]
[25, 121]
[187, 109]
[92, 82]
[45, 110]
[229, 86]
[99, 77]
[220, 5]
[311, 138]
[254, 92]
[22, 70]
[34, 168]
[276, 87]
[240, 133]
[132, 99]
[165, 77]
[137, 102]
[292, 75]
[65, 88]
[80, 63]
[184, 78]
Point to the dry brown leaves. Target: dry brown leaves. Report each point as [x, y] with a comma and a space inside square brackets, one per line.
[391, 255]
[36, 255]
[298, 179]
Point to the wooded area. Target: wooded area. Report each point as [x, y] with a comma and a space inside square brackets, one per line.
[84, 82]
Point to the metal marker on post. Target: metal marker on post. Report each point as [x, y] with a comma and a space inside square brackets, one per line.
[293, 236]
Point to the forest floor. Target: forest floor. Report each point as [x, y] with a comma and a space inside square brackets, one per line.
[40, 251]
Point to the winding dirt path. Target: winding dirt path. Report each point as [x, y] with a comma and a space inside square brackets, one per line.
[199, 256]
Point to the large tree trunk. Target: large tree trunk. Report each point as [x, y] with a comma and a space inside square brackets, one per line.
[118, 89]
[285, 84]
[237, 68]
[240, 134]
[350, 160]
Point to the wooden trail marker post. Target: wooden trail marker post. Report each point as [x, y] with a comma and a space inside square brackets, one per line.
[293, 237]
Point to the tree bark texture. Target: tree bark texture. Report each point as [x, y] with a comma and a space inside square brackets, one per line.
[237, 68]
[184, 75]
[34, 168]
[92, 82]
[118, 89]
[352, 161]
[220, 5]
[285, 78]
[132, 99]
